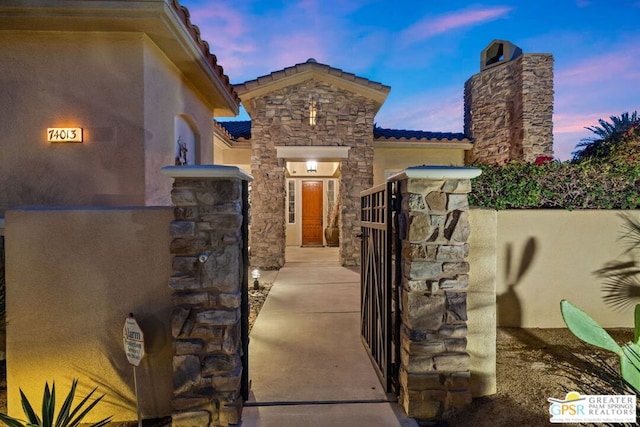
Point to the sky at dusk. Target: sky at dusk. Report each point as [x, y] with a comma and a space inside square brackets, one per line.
[426, 50]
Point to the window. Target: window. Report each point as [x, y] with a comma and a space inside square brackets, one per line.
[331, 195]
[292, 201]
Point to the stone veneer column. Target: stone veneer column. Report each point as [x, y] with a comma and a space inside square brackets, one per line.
[434, 227]
[209, 279]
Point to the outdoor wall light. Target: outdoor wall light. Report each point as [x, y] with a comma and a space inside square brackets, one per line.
[255, 275]
[314, 108]
[312, 166]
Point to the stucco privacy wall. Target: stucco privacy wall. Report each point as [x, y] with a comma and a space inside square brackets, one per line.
[509, 110]
[280, 118]
[72, 278]
[544, 256]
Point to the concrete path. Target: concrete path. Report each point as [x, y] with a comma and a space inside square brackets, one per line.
[307, 364]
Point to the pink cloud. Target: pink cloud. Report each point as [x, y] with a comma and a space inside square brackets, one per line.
[297, 47]
[612, 65]
[575, 122]
[430, 26]
[445, 115]
[226, 19]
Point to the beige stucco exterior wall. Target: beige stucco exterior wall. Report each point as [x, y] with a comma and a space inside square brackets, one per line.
[124, 93]
[72, 278]
[544, 256]
[240, 157]
[398, 158]
[481, 301]
[61, 79]
[168, 95]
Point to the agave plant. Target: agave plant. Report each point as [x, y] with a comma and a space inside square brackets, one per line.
[67, 417]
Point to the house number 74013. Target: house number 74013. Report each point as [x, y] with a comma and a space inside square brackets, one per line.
[64, 135]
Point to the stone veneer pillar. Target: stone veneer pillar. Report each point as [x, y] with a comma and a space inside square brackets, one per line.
[434, 227]
[209, 280]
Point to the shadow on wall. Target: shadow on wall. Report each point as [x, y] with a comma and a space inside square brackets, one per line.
[156, 341]
[508, 306]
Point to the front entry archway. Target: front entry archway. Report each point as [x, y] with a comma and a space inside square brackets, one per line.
[312, 213]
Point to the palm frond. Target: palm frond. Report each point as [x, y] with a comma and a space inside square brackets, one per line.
[621, 292]
[631, 233]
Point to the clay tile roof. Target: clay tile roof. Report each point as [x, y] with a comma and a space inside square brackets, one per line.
[237, 129]
[183, 12]
[417, 135]
[311, 64]
[242, 130]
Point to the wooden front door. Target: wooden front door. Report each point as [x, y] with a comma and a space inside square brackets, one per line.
[312, 213]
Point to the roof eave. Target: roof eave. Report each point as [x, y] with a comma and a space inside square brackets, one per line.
[155, 18]
[423, 143]
[307, 71]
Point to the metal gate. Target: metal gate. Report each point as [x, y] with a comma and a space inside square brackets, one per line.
[379, 323]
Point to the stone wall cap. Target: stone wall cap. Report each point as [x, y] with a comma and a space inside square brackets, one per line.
[206, 171]
[437, 172]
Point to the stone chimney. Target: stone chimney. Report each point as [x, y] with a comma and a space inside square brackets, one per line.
[509, 105]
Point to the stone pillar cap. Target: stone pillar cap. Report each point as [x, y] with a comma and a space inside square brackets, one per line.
[206, 171]
[437, 172]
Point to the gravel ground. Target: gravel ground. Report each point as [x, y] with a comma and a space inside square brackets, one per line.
[256, 300]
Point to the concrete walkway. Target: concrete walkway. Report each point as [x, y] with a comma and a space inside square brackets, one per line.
[307, 364]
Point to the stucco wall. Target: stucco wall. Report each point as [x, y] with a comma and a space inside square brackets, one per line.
[84, 80]
[73, 276]
[167, 95]
[240, 157]
[399, 158]
[481, 301]
[544, 256]
[124, 93]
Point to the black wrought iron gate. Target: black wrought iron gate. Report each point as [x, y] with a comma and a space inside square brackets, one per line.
[379, 324]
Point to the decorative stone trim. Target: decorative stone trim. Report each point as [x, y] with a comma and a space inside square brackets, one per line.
[434, 364]
[209, 275]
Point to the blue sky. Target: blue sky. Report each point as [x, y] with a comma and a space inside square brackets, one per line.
[426, 50]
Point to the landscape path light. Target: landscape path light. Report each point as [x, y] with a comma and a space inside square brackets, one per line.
[255, 275]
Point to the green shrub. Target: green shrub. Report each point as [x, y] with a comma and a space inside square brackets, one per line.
[558, 185]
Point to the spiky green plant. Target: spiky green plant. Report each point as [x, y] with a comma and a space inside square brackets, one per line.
[589, 331]
[68, 416]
